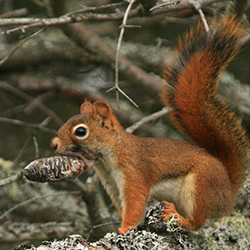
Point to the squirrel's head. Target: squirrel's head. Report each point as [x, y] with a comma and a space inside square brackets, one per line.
[90, 134]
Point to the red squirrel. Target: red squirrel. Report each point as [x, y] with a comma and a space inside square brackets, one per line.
[194, 182]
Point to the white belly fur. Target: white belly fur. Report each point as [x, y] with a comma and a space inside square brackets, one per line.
[179, 191]
[111, 179]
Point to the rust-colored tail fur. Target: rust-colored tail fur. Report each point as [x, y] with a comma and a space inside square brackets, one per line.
[191, 93]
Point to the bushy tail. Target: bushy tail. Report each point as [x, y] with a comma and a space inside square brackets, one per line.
[191, 92]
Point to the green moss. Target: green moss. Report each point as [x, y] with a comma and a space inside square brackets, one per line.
[227, 233]
[6, 165]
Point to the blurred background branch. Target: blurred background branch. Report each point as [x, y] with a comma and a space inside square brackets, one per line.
[45, 76]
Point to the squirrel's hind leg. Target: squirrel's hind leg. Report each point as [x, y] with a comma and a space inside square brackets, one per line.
[191, 224]
[201, 198]
[190, 213]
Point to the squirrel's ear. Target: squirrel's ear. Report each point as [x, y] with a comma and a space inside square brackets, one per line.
[86, 107]
[103, 109]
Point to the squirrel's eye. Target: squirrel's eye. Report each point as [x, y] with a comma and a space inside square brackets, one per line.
[80, 131]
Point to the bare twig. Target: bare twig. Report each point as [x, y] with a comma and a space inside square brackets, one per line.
[36, 147]
[165, 4]
[146, 119]
[37, 101]
[101, 225]
[123, 26]
[89, 194]
[93, 43]
[80, 91]
[97, 209]
[78, 17]
[11, 179]
[26, 124]
[81, 186]
[70, 17]
[48, 46]
[13, 110]
[19, 45]
[21, 152]
[183, 5]
[101, 7]
[39, 3]
[35, 198]
[45, 121]
[14, 13]
[28, 98]
[65, 19]
[197, 6]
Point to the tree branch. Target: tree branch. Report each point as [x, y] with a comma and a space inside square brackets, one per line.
[28, 98]
[116, 87]
[78, 17]
[93, 43]
[35, 198]
[26, 124]
[18, 46]
[11, 179]
[14, 13]
[146, 119]
[65, 19]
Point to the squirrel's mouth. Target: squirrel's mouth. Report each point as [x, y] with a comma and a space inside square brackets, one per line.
[88, 161]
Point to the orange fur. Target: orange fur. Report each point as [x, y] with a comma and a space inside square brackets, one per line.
[202, 116]
[196, 182]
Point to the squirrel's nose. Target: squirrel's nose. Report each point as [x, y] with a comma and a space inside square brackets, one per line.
[55, 142]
